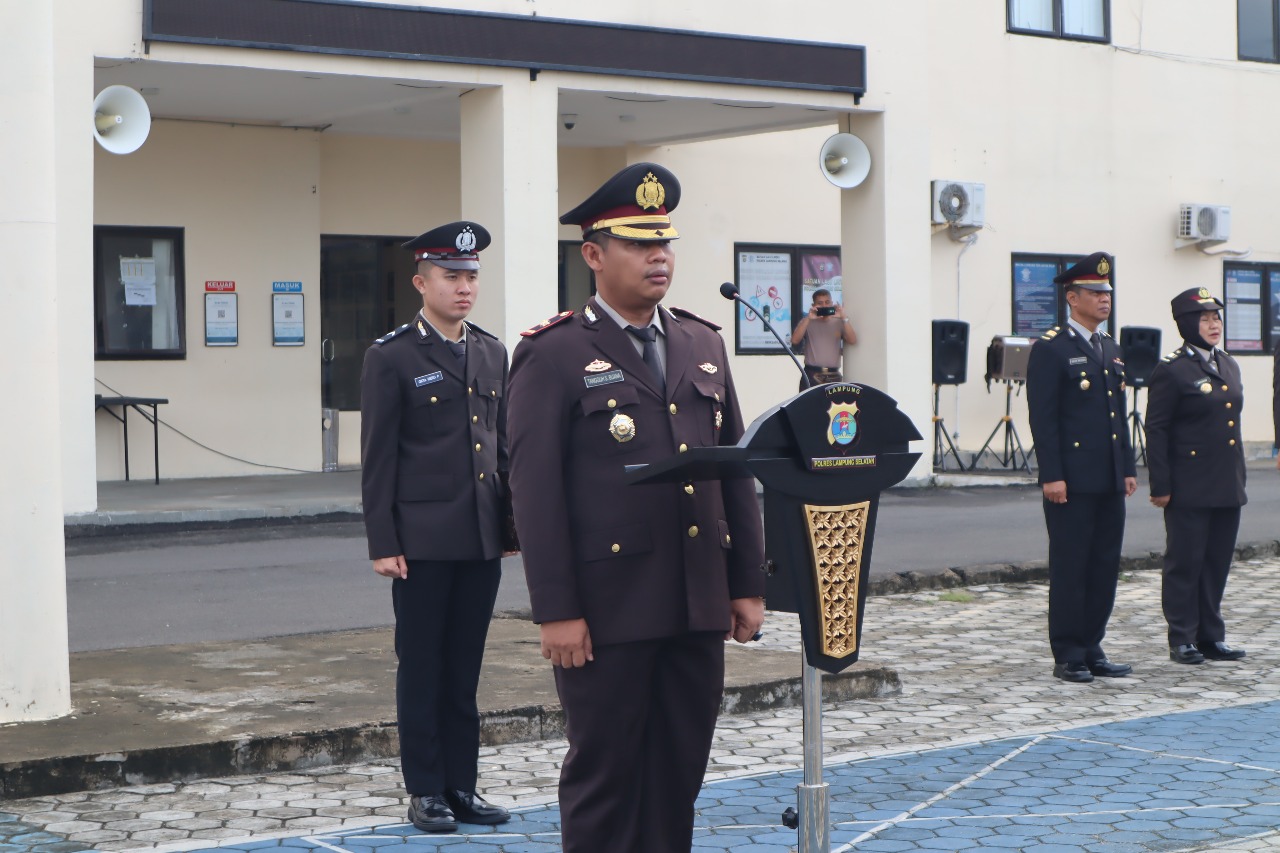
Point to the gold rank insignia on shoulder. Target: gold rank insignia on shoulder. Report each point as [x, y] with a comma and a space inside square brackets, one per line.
[547, 324]
[597, 366]
[707, 367]
[622, 427]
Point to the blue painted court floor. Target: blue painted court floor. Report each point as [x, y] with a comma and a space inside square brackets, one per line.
[1188, 781]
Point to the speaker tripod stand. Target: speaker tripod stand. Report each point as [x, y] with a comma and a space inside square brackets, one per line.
[1012, 447]
[941, 437]
[1138, 429]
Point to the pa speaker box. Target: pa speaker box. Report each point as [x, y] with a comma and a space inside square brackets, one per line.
[950, 352]
[1141, 348]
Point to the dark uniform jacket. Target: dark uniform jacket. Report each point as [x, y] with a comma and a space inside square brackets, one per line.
[637, 562]
[1195, 451]
[1077, 410]
[433, 445]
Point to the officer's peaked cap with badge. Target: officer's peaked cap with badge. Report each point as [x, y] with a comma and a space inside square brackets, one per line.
[1092, 273]
[456, 246]
[632, 205]
[1194, 301]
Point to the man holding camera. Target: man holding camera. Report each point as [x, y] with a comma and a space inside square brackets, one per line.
[824, 331]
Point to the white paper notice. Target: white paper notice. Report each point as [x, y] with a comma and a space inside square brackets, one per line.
[139, 278]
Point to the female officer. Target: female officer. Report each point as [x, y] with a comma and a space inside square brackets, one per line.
[1196, 462]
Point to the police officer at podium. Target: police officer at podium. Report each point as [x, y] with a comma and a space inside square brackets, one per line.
[1195, 453]
[636, 588]
[1076, 399]
[433, 447]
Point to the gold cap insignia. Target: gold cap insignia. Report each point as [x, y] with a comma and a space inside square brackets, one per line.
[622, 428]
[597, 366]
[708, 367]
[650, 194]
[1103, 267]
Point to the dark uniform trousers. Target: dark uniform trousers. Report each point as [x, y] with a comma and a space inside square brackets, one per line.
[1195, 456]
[433, 448]
[1076, 402]
[652, 569]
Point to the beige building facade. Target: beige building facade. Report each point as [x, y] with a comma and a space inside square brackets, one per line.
[294, 171]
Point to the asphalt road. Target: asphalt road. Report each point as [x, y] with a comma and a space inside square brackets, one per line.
[245, 584]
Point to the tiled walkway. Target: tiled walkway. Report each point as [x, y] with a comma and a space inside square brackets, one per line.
[982, 750]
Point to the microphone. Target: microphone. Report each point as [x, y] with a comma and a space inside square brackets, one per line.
[730, 291]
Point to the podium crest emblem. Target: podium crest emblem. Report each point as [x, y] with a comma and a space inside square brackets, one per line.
[842, 427]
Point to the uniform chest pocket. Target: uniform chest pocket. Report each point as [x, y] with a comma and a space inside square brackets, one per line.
[710, 409]
[490, 391]
[607, 398]
[613, 410]
[430, 406]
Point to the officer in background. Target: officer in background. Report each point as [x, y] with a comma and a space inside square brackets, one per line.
[636, 588]
[1195, 454]
[434, 451]
[1075, 394]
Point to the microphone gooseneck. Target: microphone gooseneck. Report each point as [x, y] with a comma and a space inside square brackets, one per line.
[730, 291]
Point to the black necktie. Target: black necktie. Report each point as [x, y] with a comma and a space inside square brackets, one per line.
[650, 353]
[1096, 340]
[458, 348]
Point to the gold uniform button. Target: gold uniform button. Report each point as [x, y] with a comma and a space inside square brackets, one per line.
[1113, 436]
[727, 541]
[613, 404]
[672, 408]
[1231, 423]
[693, 531]
[1076, 444]
[475, 419]
[477, 447]
[493, 393]
[1113, 414]
[717, 395]
[683, 448]
[1109, 394]
[1232, 442]
[481, 475]
[615, 548]
[1193, 453]
[435, 399]
[688, 488]
[471, 390]
[1228, 405]
[1106, 372]
[1224, 387]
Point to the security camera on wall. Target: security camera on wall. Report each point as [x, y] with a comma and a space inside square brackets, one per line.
[569, 120]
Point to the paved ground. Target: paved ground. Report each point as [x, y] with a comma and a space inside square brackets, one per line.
[980, 750]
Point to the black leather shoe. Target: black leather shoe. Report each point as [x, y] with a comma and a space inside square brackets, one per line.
[1220, 651]
[469, 808]
[1106, 669]
[1073, 671]
[432, 814]
[1185, 653]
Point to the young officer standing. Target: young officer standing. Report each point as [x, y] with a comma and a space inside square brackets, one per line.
[434, 450]
[1075, 396]
[636, 588]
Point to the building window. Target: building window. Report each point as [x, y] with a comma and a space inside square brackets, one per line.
[778, 283]
[1256, 33]
[1251, 293]
[139, 299]
[1039, 304]
[1079, 20]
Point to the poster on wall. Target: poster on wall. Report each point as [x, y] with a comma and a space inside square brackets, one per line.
[288, 328]
[138, 275]
[1243, 292]
[1035, 298]
[221, 319]
[764, 281]
[819, 272]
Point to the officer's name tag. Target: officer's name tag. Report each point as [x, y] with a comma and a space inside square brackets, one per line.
[419, 381]
[603, 379]
[1084, 359]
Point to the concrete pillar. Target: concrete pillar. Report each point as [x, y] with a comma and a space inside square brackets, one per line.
[73, 262]
[34, 677]
[884, 244]
[509, 185]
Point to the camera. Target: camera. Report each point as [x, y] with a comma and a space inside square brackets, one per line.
[569, 120]
[827, 311]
